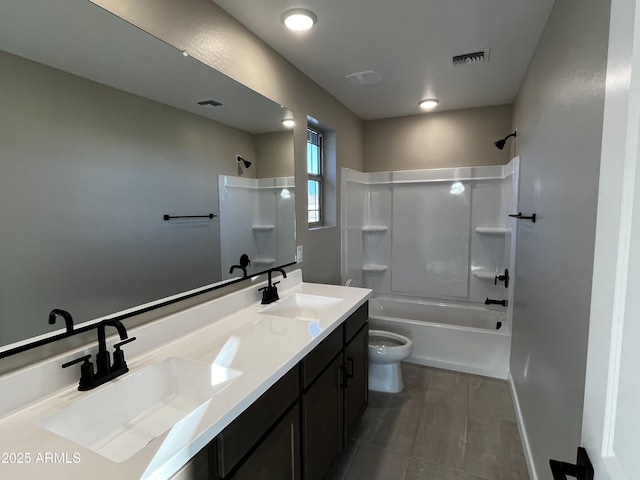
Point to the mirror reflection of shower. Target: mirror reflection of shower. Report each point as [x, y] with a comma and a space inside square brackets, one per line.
[254, 221]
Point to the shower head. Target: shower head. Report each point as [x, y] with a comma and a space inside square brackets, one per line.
[500, 143]
[246, 163]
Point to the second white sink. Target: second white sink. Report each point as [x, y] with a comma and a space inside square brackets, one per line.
[121, 418]
[302, 306]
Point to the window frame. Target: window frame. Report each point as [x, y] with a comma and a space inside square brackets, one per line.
[318, 178]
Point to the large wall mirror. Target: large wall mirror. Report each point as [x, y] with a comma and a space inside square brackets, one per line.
[102, 135]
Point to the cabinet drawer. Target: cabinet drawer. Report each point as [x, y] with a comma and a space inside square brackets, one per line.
[316, 361]
[243, 433]
[354, 323]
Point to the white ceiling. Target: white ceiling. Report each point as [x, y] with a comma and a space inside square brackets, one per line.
[409, 43]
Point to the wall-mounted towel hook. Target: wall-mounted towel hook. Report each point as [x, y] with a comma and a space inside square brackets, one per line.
[519, 216]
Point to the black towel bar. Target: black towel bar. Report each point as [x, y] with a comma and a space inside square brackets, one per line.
[169, 217]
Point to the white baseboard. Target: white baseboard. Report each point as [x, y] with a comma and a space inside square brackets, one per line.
[526, 448]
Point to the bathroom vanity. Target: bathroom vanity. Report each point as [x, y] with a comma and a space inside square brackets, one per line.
[301, 423]
[227, 389]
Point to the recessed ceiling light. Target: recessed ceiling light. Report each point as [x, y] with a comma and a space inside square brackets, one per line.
[288, 122]
[428, 103]
[299, 19]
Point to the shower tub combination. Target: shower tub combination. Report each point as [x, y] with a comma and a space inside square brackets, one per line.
[466, 338]
[433, 245]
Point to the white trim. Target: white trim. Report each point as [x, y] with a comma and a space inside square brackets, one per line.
[487, 172]
[614, 469]
[524, 438]
[622, 263]
[618, 169]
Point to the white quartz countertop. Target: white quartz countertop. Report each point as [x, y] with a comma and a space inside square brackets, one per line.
[262, 347]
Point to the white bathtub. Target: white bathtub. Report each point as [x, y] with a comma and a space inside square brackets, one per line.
[464, 338]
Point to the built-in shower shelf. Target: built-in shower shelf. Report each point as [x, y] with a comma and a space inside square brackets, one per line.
[264, 261]
[374, 228]
[262, 228]
[493, 230]
[374, 268]
[485, 274]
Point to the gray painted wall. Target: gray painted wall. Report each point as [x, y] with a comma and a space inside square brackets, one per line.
[437, 139]
[90, 170]
[559, 117]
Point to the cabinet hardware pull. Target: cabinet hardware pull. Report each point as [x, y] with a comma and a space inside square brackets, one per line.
[350, 362]
[342, 375]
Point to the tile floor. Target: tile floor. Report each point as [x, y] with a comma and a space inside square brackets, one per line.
[443, 426]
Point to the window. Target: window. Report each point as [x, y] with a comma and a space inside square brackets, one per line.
[314, 177]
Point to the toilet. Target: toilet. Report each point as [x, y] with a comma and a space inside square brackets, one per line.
[386, 351]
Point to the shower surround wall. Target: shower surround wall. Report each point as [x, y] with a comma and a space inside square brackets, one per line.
[441, 235]
[266, 232]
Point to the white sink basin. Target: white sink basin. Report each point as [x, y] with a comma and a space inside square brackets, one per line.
[302, 306]
[127, 414]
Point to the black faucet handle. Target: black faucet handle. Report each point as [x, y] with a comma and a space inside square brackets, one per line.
[274, 292]
[77, 360]
[266, 294]
[119, 363]
[124, 342]
[87, 376]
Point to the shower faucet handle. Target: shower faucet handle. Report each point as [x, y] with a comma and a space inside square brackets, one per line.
[491, 301]
[503, 278]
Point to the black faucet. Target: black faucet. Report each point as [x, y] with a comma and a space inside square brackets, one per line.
[68, 320]
[244, 261]
[103, 358]
[270, 292]
[105, 370]
[244, 270]
[491, 301]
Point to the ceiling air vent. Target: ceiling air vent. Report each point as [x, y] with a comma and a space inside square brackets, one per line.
[481, 56]
[209, 103]
[363, 78]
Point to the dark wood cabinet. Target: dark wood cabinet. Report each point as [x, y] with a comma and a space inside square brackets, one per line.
[333, 401]
[356, 364]
[322, 421]
[262, 428]
[298, 427]
[277, 457]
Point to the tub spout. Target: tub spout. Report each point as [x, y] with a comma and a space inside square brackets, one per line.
[491, 301]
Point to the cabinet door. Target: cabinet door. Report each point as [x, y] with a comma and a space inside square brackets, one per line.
[277, 456]
[322, 422]
[356, 358]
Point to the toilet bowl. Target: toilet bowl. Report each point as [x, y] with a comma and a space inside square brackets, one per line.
[386, 351]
